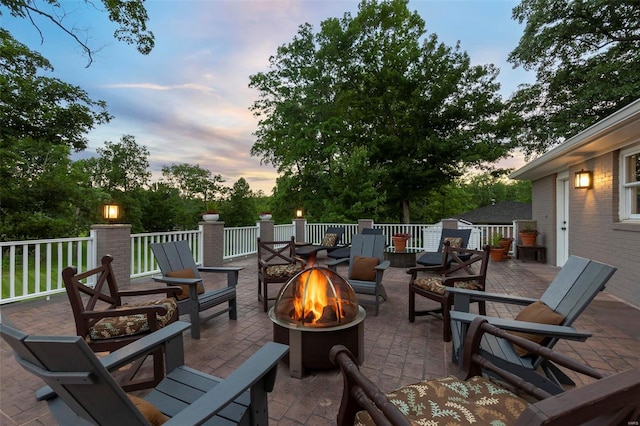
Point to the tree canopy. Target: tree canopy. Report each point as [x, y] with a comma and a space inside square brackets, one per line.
[586, 55]
[372, 108]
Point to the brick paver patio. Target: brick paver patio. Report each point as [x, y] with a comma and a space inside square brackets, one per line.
[396, 352]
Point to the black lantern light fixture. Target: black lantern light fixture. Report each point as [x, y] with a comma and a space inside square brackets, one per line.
[111, 212]
[299, 213]
[583, 179]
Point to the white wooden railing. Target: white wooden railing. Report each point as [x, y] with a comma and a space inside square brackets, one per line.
[31, 269]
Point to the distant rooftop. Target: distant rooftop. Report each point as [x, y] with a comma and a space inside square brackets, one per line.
[501, 213]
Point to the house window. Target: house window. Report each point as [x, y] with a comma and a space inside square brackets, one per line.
[630, 184]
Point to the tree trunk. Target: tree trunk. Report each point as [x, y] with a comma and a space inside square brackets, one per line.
[406, 215]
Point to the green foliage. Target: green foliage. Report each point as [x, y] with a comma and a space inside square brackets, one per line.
[586, 55]
[122, 166]
[240, 207]
[130, 15]
[414, 112]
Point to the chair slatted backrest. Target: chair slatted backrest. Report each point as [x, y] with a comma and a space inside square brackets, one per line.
[71, 369]
[338, 230]
[366, 246]
[174, 256]
[575, 286]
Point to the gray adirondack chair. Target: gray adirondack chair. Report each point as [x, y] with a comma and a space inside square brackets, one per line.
[81, 390]
[570, 292]
[176, 256]
[434, 258]
[366, 246]
[343, 252]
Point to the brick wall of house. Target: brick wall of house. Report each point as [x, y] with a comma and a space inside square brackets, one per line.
[594, 230]
[543, 211]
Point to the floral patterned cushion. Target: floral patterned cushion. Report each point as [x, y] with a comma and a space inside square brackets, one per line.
[450, 401]
[128, 325]
[283, 271]
[329, 240]
[434, 284]
[453, 242]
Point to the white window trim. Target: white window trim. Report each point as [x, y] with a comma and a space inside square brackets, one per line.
[625, 195]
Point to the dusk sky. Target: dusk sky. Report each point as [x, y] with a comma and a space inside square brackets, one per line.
[188, 101]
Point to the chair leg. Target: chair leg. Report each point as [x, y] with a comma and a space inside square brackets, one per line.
[265, 298]
[412, 305]
[446, 328]
[482, 307]
[233, 309]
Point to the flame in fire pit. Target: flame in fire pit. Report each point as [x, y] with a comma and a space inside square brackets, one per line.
[317, 297]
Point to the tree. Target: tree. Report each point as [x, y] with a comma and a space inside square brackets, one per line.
[586, 55]
[131, 16]
[122, 166]
[240, 207]
[415, 111]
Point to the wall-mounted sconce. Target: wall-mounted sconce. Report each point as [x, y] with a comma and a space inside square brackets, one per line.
[584, 179]
[299, 213]
[111, 212]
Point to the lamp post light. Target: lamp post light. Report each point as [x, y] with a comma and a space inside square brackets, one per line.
[299, 214]
[111, 212]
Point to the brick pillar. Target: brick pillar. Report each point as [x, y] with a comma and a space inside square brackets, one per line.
[450, 223]
[300, 230]
[116, 241]
[364, 224]
[212, 243]
[266, 230]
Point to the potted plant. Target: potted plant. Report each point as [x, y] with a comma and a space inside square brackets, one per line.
[210, 216]
[497, 250]
[528, 236]
[265, 215]
[400, 240]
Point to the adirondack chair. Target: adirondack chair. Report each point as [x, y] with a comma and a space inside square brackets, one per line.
[277, 264]
[366, 268]
[459, 267]
[343, 252]
[179, 268]
[573, 288]
[106, 324]
[81, 389]
[457, 237]
[468, 398]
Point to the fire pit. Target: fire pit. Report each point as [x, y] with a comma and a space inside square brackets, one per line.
[315, 310]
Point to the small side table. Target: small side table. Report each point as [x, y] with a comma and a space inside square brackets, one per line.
[401, 259]
[538, 253]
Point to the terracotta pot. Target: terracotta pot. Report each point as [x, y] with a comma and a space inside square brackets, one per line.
[528, 239]
[497, 254]
[400, 243]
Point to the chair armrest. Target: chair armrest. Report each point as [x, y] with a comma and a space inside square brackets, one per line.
[133, 351]
[169, 291]
[180, 281]
[414, 271]
[260, 369]
[491, 297]
[384, 265]
[560, 331]
[232, 273]
[335, 263]
[124, 310]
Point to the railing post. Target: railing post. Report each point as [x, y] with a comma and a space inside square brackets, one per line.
[212, 243]
[266, 230]
[300, 228]
[115, 240]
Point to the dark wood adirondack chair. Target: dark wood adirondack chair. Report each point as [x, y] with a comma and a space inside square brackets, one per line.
[81, 389]
[470, 399]
[179, 268]
[332, 241]
[277, 263]
[107, 325]
[570, 292]
[434, 258]
[366, 268]
[459, 267]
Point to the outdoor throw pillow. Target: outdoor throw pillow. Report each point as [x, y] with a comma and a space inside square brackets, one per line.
[185, 273]
[329, 240]
[535, 312]
[149, 411]
[363, 268]
[453, 242]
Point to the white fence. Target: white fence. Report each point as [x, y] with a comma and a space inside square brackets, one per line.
[31, 269]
